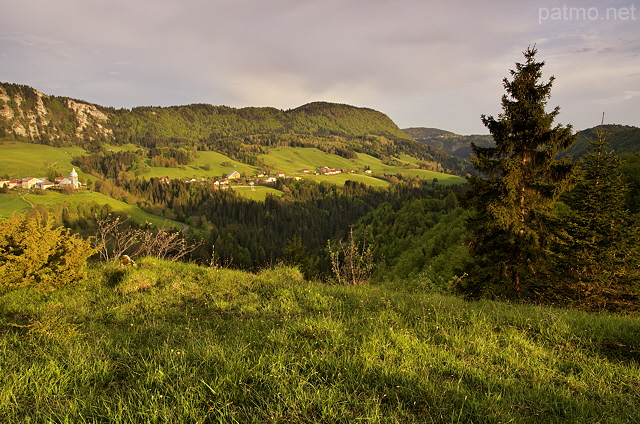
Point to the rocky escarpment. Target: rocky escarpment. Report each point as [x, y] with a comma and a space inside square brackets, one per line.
[27, 114]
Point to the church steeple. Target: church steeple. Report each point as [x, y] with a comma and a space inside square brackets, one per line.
[73, 176]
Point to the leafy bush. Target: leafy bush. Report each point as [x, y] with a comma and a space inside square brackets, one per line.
[32, 252]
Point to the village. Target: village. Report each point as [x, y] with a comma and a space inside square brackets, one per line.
[71, 182]
[28, 183]
[234, 177]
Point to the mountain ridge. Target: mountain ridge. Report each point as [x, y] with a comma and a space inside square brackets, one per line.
[242, 133]
[621, 138]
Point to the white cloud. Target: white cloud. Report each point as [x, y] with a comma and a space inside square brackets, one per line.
[619, 98]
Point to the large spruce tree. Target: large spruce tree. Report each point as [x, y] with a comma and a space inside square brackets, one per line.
[519, 180]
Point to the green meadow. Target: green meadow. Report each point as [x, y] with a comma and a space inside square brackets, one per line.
[340, 179]
[17, 202]
[21, 160]
[206, 165]
[291, 160]
[122, 148]
[258, 193]
[174, 342]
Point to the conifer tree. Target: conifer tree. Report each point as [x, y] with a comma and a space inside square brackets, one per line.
[596, 249]
[519, 180]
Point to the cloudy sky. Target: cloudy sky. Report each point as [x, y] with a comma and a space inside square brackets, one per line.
[424, 63]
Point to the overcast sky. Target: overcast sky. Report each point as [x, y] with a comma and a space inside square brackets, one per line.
[424, 63]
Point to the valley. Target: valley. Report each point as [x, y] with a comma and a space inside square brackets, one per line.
[318, 258]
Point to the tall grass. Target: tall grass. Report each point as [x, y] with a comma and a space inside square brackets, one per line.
[172, 342]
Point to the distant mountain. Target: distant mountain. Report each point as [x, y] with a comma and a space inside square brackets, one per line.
[621, 139]
[454, 144]
[427, 133]
[28, 115]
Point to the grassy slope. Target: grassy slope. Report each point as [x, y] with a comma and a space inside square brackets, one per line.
[172, 342]
[20, 160]
[21, 201]
[291, 160]
[196, 168]
[258, 193]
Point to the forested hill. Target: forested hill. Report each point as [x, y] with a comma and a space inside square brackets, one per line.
[621, 139]
[451, 143]
[26, 114]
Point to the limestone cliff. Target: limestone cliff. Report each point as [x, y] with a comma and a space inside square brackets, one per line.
[27, 114]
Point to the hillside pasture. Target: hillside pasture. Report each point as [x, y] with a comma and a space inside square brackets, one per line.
[340, 179]
[122, 147]
[21, 160]
[218, 165]
[19, 201]
[291, 160]
[258, 193]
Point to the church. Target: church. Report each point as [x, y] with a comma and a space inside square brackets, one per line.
[71, 180]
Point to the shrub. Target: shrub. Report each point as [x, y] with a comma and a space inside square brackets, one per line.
[350, 263]
[33, 252]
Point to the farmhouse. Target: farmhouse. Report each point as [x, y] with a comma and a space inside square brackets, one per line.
[329, 171]
[29, 182]
[45, 184]
[233, 175]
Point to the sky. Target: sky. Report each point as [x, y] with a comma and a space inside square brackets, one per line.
[436, 64]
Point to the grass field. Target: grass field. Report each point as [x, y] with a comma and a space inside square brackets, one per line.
[218, 165]
[21, 160]
[291, 160]
[259, 193]
[444, 179]
[122, 148]
[22, 201]
[340, 179]
[173, 342]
